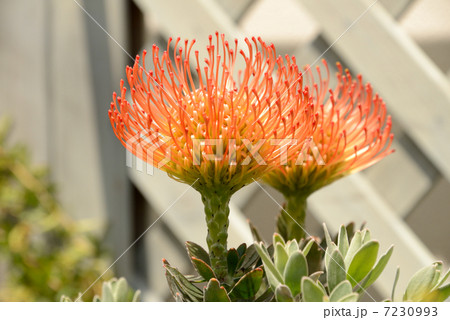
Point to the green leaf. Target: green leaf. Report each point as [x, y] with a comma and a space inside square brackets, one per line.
[355, 244]
[213, 292]
[340, 291]
[255, 233]
[365, 236]
[65, 298]
[311, 292]
[438, 295]
[437, 274]
[232, 260]
[240, 262]
[247, 287]
[397, 275]
[203, 269]
[241, 250]
[296, 269]
[265, 295]
[329, 251]
[121, 290]
[251, 257]
[196, 251]
[420, 284]
[350, 230]
[363, 262]
[377, 270]
[442, 280]
[187, 289]
[327, 235]
[315, 276]
[335, 270]
[280, 257]
[136, 296]
[292, 246]
[283, 294]
[352, 297]
[278, 239]
[343, 240]
[178, 297]
[307, 247]
[273, 276]
[315, 258]
[107, 292]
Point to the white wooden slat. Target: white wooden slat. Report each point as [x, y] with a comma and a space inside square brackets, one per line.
[392, 177]
[396, 7]
[353, 199]
[23, 81]
[193, 19]
[159, 247]
[416, 91]
[235, 8]
[244, 195]
[92, 181]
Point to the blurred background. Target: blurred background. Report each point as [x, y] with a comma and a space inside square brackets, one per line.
[60, 61]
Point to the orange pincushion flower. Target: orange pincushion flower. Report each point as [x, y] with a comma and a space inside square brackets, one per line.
[209, 124]
[353, 132]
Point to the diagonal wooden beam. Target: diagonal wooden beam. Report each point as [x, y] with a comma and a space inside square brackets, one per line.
[417, 92]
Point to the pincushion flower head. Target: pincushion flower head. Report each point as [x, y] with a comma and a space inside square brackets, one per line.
[353, 132]
[214, 128]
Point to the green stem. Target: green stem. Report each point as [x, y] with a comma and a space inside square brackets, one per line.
[217, 212]
[291, 220]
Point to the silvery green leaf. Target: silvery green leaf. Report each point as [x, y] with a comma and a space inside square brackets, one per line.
[365, 236]
[280, 257]
[329, 251]
[341, 290]
[315, 276]
[311, 292]
[273, 276]
[107, 292]
[283, 294]
[420, 284]
[335, 270]
[343, 240]
[292, 246]
[327, 235]
[178, 297]
[438, 295]
[307, 247]
[136, 296]
[65, 298]
[377, 270]
[354, 246]
[362, 262]
[296, 269]
[278, 239]
[397, 275]
[352, 297]
[442, 280]
[121, 290]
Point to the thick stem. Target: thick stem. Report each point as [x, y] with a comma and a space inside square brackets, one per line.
[217, 212]
[291, 220]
